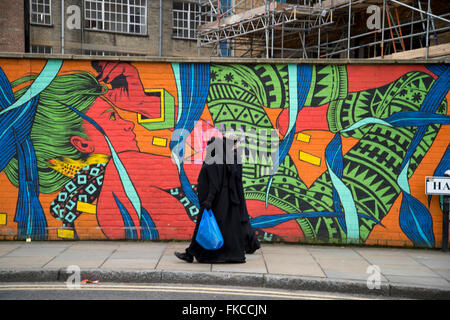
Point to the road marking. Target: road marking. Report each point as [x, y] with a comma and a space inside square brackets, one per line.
[183, 289]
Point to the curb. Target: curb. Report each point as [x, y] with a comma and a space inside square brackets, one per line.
[393, 290]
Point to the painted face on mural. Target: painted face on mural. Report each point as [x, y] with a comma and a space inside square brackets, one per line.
[114, 126]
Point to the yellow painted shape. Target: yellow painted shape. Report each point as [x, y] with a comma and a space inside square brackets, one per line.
[70, 167]
[66, 234]
[303, 137]
[309, 158]
[161, 142]
[86, 207]
[2, 218]
[162, 117]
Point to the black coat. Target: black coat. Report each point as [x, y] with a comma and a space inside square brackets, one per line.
[250, 240]
[217, 190]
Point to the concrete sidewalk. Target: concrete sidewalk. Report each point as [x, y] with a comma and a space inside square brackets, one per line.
[412, 273]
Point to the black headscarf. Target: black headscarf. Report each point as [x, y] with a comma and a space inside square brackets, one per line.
[230, 156]
[220, 152]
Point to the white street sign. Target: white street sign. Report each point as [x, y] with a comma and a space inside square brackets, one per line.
[437, 185]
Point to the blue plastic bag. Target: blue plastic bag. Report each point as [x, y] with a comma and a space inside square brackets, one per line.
[208, 234]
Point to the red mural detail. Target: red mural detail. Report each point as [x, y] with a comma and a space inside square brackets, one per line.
[289, 230]
[308, 118]
[150, 175]
[127, 91]
[362, 77]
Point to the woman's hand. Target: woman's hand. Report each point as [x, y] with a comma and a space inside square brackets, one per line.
[206, 205]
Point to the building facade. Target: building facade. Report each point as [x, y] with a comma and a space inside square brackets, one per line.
[97, 27]
[251, 29]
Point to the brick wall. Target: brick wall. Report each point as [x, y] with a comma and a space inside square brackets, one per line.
[349, 160]
[12, 34]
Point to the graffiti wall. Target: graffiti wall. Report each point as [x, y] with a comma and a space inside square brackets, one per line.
[330, 153]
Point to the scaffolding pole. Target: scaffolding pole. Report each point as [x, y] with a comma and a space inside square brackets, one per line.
[269, 30]
[428, 31]
[428, 13]
[382, 28]
[348, 29]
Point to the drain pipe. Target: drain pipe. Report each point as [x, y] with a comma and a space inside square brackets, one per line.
[62, 26]
[160, 27]
[26, 4]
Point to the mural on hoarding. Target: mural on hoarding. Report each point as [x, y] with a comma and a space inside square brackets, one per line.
[331, 153]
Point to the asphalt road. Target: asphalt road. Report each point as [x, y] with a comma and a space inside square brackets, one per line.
[128, 291]
[174, 301]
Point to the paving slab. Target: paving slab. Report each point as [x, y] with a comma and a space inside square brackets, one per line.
[436, 263]
[8, 246]
[124, 253]
[26, 262]
[409, 271]
[36, 250]
[84, 262]
[301, 265]
[422, 281]
[331, 252]
[135, 263]
[254, 264]
[397, 261]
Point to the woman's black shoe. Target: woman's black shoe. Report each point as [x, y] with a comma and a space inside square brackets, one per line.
[184, 256]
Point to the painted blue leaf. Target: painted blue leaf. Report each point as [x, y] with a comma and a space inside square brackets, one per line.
[148, 228]
[416, 118]
[437, 92]
[437, 69]
[269, 221]
[430, 104]
[416, 222]
[6, 94]
[192, 81]
[443, 166]
[20, 120]
[30, 217]
[333, 156]
[130, 228]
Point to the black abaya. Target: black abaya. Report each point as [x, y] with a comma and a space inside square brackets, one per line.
[217, 190]
[220, 189]
[251, 243]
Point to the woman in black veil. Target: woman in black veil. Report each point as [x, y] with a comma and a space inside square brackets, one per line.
[220, 189]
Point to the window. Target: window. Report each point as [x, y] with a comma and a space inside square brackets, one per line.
[110, 53]
[124, 16]
[41, 49]
[41, 12]
[187, 16]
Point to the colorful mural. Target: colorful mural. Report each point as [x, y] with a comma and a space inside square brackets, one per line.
[331, 153]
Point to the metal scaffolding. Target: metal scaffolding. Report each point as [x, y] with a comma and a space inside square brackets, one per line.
[327, 28]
